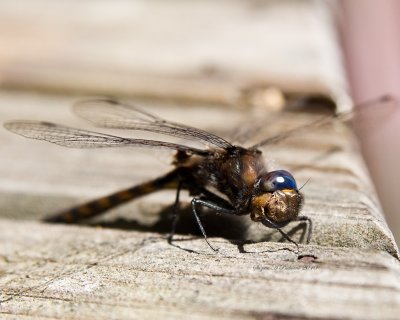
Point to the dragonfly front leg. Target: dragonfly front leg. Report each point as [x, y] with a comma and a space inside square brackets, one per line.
[310, 226]
[211, 205]
[270, 224]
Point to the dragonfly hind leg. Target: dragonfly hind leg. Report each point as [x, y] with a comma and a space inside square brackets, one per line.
[175, 211]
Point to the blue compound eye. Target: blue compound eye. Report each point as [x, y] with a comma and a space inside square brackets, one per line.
[278, 180]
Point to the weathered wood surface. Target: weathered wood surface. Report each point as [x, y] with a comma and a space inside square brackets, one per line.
[219, 51]
[82, 272]
[339, 196]
[98, 271]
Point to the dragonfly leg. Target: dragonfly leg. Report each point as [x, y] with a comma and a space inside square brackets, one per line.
[211, 205]
[175, 211]
[310, 226]
[270, 224]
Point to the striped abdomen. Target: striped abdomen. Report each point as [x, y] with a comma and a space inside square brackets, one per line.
[99, 206]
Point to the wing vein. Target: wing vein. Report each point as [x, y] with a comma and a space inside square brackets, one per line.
[110, 113]
[78, 138]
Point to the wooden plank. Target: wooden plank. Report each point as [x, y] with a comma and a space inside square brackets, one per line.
[97, 270]
[339, 197]
[71, 271]
[223, 52]
[101, 274]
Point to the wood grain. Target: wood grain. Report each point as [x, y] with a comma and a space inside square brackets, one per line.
[223, 52]
[348, 271]
[189, 60]
[102, 274]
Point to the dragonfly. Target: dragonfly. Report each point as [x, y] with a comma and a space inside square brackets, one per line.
[226, 178]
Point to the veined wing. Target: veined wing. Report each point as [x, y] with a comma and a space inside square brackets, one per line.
[78, 138]
[361, 111]
[109, 113]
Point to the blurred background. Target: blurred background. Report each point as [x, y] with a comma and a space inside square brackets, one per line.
[370, 33]
[251, 54]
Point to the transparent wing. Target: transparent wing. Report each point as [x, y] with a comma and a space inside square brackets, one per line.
[109, 113]
[364, 113]
[77, 138]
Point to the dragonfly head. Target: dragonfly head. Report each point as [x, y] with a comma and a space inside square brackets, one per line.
[278, 199]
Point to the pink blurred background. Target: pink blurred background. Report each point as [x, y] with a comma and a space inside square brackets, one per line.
[371, 39]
